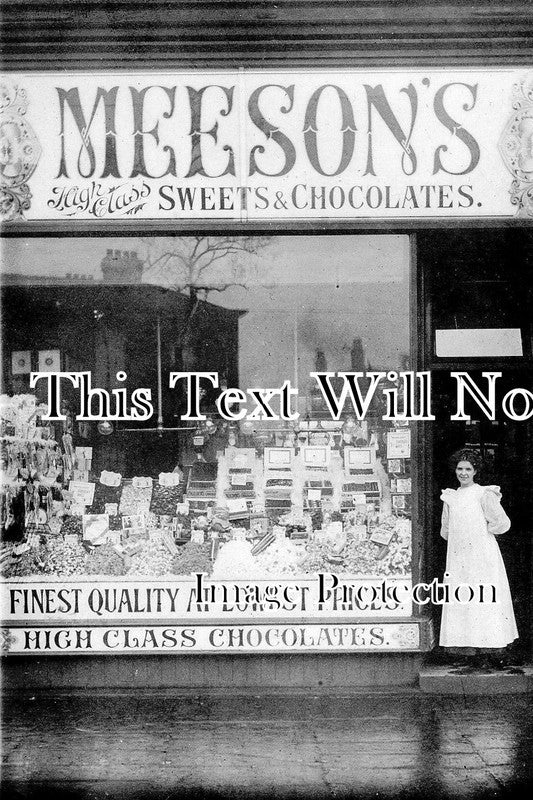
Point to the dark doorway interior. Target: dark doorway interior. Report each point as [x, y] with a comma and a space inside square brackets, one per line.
[474, 282]
[506, 447]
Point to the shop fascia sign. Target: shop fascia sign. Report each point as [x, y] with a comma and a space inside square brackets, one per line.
[261, 145]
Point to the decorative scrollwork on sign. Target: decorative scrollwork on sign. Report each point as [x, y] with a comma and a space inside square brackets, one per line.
[19, 152]
[516, 146]
[6, 640]
[406, 636]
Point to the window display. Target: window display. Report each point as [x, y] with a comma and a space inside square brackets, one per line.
[255, 498]
[269, 482]
[298, 515]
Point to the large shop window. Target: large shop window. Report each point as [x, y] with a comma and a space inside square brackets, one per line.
[237, 499]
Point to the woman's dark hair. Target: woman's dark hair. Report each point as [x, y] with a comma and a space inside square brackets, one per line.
[466, 454]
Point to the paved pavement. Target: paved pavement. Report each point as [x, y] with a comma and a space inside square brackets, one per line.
[303, 745]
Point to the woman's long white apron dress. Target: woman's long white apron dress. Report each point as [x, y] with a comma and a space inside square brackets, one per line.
[471, 519]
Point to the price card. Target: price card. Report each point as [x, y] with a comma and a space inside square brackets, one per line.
[403, 485]
[382, 536]
[239, 480]
[359, 499]
[237, 505]
[108, 478]
[141, 482]
[134, 521]
[314, 494]
[399, 443]
[398, 501]
[82, 492]
[95, 528]
[169, 479]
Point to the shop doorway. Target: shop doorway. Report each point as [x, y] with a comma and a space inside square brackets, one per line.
[478, 312]
[506, 448]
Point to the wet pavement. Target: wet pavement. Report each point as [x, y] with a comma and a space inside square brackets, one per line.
[305, 745]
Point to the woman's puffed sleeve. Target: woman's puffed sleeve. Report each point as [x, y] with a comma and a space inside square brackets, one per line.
[445, 521]
[497, 520]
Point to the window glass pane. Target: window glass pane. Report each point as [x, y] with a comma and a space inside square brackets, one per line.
[300, 496]
[323, 303]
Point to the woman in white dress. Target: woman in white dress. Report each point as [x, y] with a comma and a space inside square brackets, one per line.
[471, 519]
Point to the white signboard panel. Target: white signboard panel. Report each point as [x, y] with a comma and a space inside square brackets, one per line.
[213, 639]
[264, 145]
[64, 602]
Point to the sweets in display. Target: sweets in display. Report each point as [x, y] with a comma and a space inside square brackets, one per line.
[290, 505]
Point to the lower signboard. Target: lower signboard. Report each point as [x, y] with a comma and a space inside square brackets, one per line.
[260, 638]
[68, 602]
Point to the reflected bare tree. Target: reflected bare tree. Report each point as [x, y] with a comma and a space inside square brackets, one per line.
[199, 265]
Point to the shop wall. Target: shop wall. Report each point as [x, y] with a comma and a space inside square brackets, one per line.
[313, 672]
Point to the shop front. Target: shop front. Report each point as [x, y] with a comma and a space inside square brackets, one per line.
[235, 478]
